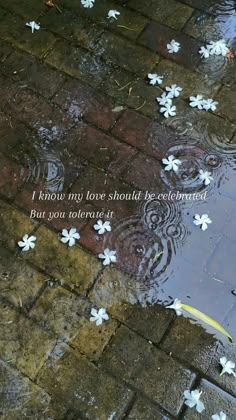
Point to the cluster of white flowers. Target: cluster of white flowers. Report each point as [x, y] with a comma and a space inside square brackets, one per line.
[214, 48]
[203, 104]
[70, 237]
[166, 100]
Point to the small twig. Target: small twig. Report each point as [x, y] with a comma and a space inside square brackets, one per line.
[123, 87]
[136, 109]
[129, 29]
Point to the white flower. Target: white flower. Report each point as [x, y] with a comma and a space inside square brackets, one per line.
[99, 316]
[218, 47]
[209, 104]
[196, 101]
[27, 242]
[221, 416]
[108, 256]
[192, 399]
[174, 91]
[113, 14]
[202, 221]
[33, 25]
[102, 227]
[168, 110]
[155, 79]
[204, 52]
[176, 306]
[171, 163]
[228, 366]
[70, 236]
[173, 46]
[205, 177]
[164, 99]
[88, 3]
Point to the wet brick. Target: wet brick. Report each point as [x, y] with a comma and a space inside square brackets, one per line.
[84, 102]
[10, 180]
[19, 283]
[143, 133]
[206, 6]
[23, 343]
[190, 343]
[144, 174]
[71, 265]
[25, 8]
[76, 380]
[68, 317]
[78, 63]
[191, 82]
[125, 54]
[5, 50]
[143, 409]
[71, 27]
[224, 349]
[215, 400]
[96, 181]
[226, 106]
[157, 36]
[142, 97]
[22, 398]
[143, 366]
[205, 27]
[48, 120]
[14, 225]
[102, 150]
[172, 12]
[13, 30]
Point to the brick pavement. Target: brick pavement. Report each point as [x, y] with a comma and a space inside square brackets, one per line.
[78, 114]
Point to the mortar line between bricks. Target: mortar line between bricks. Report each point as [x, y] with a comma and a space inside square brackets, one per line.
[187, 21]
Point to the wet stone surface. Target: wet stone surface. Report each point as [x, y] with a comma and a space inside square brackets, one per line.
[78, 115]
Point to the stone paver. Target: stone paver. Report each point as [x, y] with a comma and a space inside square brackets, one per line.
[76, 380]
[51, 254]
[23, 343]
[22, 398]
[143, 366]
[214, 400]
[143, 410]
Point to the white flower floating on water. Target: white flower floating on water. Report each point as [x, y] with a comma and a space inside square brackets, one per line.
[196, 101]
[177, 306]
[214, 48]
[192, 399]
[99, 316]
[88, 4]
[108, 256]
[70, 236]
[202, 221]
[209, 104]
[27, 243]
[168, 110]
[204, 52]
[173, 91]
[172, 164]
[201, 103]
[173, 47]
[228, 366]
[164, 99]
[102, 227]
[221, 416]
[33, 25]
[155, 79]
[205, 177]
[112, 14]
